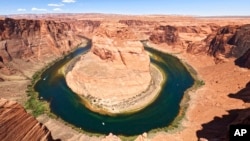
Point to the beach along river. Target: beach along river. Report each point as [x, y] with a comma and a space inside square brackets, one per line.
[68, 106]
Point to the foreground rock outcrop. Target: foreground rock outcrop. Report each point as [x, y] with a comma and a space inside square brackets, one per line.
[17, 125]
[115, 70]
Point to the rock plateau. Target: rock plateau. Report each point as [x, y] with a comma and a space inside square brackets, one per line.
[116, 69]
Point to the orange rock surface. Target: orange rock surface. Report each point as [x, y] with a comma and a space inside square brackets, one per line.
[17, 124]
[116, 68]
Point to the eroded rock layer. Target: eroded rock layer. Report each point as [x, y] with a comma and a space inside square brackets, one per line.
[116, 68]
[17, 125]
[36, 40]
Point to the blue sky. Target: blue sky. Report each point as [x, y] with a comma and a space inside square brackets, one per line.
[179, 7]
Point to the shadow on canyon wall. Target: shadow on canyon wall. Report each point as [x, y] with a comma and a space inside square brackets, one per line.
[218, 128]
[244, 60]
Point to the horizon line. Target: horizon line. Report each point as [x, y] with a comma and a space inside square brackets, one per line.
[89, 13]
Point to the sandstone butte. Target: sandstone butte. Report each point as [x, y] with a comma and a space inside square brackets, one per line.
[115, 73]
[215, 47]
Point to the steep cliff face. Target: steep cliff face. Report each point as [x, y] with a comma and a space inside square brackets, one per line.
[165, 34]
[137, 22]
[17, 125]
[84, 27]
[244, 60]
[189, 29]
[14, 38]
[218, 43]
[40, 39]
[240, 40]
[25, 38]
[142, 28]
[229, 41]
[221, 42]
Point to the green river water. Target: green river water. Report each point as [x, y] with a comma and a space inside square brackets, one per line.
[68, 106]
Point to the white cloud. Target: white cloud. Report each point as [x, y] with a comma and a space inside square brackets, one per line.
[56, 5]
[38, 9]
[21, 9]
[69, 1]
[57, 9]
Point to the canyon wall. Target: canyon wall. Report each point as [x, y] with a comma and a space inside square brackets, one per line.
[244, 60]
[165, 34]
[229, 41]
[39, 40]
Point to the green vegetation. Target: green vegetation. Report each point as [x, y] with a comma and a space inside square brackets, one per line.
[36, 105]
[33, 103]
[200, 82]
[126, 138]
[176, 124]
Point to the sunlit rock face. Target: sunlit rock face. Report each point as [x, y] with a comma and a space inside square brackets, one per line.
[17, 124]
[21, 38]
[165, 34]
[116, 68]
[39, 40]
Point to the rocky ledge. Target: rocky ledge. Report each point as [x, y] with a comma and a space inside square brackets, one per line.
[115, 72]
[17, 124]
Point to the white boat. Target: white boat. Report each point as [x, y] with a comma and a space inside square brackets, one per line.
[45, 78]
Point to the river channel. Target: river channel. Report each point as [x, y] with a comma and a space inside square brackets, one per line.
[68, 106]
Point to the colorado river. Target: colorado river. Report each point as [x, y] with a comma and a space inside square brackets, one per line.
[68, 106]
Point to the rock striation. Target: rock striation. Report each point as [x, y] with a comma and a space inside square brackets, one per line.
[115, 70]
[22, 38]
[17, 125]
[165, 34]
[229, 41]
[219, 42]
[35, 40]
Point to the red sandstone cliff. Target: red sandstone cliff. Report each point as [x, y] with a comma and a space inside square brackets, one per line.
[17, 125]
[229, 41]
[244, 60]
[165, 34]
[40, 39]
[24, 38]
